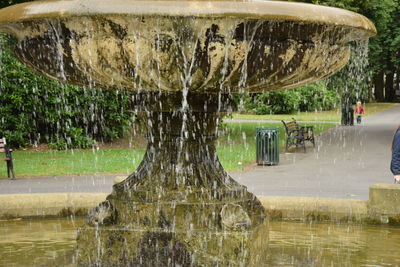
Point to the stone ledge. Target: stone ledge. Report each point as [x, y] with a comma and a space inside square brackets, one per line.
[320, 209]
[45, 205]
[384, 205]
[291, 208]
[384, 200]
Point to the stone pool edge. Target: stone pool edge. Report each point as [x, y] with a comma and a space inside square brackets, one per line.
[383, 206]
[48, 204]
[290, 208]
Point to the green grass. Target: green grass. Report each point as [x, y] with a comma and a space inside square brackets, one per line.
[43, 163]
[332, 115]
[237, 145]
[237, 148]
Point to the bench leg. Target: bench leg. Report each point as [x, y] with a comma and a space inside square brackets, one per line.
[13, 174]
[287, 145]
[10, 169]
[303, 143]
[313, 139]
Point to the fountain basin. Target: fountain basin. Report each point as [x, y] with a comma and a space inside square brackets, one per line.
[201, 46]
[51, 243]
[184, 58]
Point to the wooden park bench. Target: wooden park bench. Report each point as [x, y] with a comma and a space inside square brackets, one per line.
[8, 153]
[297, 135]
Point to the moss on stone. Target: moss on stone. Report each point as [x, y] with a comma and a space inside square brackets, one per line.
[394, 220]
[66, 212]
[318, 217]
[274, 214]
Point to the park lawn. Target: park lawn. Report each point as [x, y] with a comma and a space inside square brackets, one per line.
[236, 149]
[68, 162]
[331, 115]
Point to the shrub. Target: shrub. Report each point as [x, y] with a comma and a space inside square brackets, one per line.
[34, 109]
[313, 97]
[316, 97]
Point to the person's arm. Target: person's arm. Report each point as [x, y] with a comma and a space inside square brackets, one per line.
[395, 164]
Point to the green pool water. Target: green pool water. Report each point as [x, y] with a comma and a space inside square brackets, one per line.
[51, 242]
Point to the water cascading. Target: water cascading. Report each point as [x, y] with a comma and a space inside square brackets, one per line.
[183, 59]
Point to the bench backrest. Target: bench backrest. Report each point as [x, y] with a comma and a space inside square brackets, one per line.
[291, 126]
[3, 144]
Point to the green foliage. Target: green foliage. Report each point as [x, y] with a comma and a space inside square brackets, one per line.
[34, 109]
[277, 102]
[317, 97]
[75, 139]
[5, 3]
[313, 97]
[384, 49]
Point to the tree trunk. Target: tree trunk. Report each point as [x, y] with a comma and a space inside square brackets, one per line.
[397, 83]
[379, 84]
[389, 88]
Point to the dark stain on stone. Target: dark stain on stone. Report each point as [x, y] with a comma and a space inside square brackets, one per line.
[169, 251]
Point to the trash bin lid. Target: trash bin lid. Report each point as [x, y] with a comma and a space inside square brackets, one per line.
[266, 129]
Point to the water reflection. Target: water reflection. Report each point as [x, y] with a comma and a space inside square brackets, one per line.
[51, 242]
[302, 244]
[38, 242]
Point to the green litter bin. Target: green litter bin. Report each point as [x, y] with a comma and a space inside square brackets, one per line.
[267, 142]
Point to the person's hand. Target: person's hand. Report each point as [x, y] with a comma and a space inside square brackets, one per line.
[397, 178]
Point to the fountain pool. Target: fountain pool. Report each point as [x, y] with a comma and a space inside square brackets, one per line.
[52, 241]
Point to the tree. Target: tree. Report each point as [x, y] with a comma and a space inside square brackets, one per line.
[34, 109]
[384, 48]
[6, 3]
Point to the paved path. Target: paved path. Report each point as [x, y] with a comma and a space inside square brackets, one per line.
[59, 184]
[346, 161]
[275, 121]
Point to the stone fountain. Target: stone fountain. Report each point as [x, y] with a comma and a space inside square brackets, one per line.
[184, 59]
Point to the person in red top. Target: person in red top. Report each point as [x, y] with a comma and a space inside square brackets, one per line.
[359, 111]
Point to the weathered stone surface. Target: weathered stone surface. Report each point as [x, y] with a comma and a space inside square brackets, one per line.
[50, 204]
[207, 47]
[128, 246]
[309, 208]
[384, 199]
[206, 55]
[179, 200]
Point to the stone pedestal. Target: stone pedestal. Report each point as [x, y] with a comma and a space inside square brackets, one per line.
[180, 205]
[126, 246]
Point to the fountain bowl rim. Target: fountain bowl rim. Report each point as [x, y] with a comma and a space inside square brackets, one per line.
[255, 9]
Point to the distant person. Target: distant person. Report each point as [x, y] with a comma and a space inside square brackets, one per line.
[359, 111]
[395, 164]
